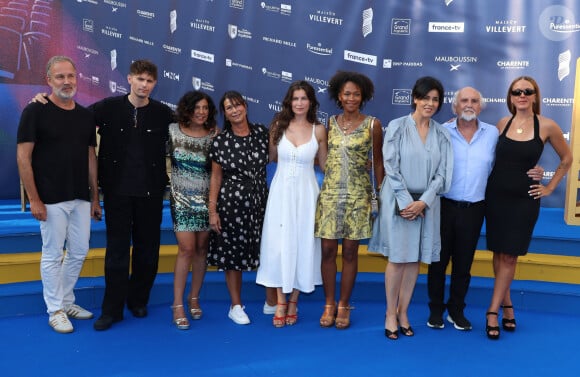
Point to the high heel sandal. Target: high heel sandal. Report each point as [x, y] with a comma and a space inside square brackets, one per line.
[407, 331]
[196, 313]
[392, 335]
[489, 329]
[181, 323]
[291, 319]
[342, 322]
[328, 316]
[510, 321]
[279, 321]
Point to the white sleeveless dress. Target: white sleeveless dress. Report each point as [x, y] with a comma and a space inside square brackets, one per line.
[289, 252]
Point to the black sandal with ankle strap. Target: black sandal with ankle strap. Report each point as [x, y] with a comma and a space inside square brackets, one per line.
[506, 321]
[489, 329]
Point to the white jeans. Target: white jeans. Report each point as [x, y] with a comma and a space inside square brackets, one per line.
[71, 222]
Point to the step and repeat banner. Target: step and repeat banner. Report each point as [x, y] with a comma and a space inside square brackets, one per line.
[259, 47]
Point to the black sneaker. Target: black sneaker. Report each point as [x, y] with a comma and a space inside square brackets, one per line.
[459, 321]
[436, 321]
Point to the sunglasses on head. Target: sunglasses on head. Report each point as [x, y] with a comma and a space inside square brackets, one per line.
[519, 92]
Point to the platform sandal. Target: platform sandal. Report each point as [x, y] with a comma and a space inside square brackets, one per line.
[343, 317]
[508, 324]
[196, 313]
[489, 329]
[328, 316]
[181, 323]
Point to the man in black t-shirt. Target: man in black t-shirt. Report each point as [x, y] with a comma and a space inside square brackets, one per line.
[133, 133]
[58, 167]
[132, 176]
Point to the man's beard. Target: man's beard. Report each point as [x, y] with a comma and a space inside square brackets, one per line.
[64, 95]
[468, 116]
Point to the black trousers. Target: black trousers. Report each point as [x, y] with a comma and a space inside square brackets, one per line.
[130, 221]
[460, 231]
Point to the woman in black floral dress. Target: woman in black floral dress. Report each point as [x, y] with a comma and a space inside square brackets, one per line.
[237, 197]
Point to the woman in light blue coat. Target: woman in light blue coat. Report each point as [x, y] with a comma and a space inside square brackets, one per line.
[418, 164]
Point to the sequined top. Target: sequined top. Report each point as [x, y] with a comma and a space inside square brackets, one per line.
[190, 172]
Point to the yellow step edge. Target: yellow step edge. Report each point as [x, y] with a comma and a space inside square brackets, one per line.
[23, 267]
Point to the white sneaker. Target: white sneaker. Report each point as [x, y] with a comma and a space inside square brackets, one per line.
[238, 315]
[60, 323]
[269, 309]
[76, 312]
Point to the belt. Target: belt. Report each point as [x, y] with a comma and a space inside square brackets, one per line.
[461, 203]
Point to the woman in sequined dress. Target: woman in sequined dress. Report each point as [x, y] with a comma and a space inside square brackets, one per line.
[189, 142]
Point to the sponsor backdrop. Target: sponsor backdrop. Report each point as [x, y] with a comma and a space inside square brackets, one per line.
[259, 47]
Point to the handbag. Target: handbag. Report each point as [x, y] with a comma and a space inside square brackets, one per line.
[374, 204]
[374, 197]
[415, 198]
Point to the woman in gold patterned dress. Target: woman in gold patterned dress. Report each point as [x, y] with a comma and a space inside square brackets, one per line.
[343, 211]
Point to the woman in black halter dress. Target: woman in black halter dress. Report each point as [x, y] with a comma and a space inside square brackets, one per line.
[511, 212]
[512, 198]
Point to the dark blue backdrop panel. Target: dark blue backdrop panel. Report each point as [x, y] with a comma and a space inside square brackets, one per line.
[259, 47]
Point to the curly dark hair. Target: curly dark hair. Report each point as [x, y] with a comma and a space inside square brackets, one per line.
[423, 86]
[283, 117]
[340, 78]
[186, 108]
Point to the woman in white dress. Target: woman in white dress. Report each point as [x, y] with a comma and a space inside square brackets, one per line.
[289, 252]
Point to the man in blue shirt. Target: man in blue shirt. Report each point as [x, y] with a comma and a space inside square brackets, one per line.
[463, 207]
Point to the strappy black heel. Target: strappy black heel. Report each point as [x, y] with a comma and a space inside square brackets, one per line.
[489, 329]
[505, 322]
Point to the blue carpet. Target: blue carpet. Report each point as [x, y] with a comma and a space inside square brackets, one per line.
[543, 345]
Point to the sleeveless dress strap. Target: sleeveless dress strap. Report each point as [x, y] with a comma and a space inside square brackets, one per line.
[537, 128]
[507, 126]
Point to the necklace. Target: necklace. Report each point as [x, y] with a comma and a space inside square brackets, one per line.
[345, 124]
[520, 127]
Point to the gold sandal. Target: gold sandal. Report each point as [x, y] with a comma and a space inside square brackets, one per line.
[343, 317]
[196, 313]
[328, 316]
[181, 323]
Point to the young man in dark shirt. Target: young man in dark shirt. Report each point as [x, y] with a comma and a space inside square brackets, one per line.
[132, 175]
